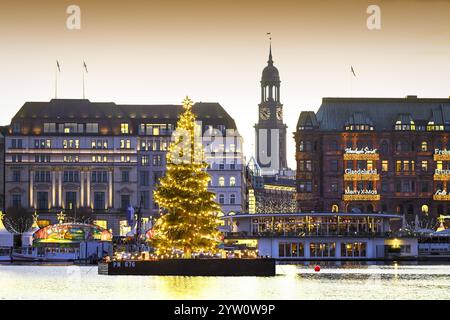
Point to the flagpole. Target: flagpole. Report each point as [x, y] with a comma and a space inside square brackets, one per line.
[84, 93]
[56, 84]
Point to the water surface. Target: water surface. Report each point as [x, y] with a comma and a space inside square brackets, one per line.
[348, 281]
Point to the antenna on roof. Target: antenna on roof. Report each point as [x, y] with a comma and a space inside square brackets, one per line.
[57, 70]
[84, 67]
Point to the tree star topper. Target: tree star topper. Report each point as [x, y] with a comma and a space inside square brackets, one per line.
[187, 103]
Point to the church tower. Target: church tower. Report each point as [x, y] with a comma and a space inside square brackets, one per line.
[270, 131]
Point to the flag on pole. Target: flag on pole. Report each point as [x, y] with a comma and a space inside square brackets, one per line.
[353, 71]
[58, 66]
[85, 66]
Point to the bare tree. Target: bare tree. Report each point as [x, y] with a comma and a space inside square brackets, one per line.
[18, 220]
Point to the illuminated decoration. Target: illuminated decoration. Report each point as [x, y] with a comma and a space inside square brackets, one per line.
[361, 197]
[441, 195]
[279, 188]
[251, 201]
[441, 220]
[61, 217]
[441, 175]
[189, 223]
[441, 155]
[361, 174]
[361, 154]
[68, 233]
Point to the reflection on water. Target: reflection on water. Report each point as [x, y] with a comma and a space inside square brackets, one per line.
[345, 281]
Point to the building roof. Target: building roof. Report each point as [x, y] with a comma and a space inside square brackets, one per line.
[270, 73]
[63, 110]
[382, 113]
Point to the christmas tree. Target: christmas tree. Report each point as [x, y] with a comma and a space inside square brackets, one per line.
[189, 222]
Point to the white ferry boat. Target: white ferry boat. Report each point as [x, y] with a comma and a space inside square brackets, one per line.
[320, 236]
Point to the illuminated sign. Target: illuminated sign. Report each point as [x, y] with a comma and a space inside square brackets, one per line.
[361, 154]
[364, 191]
[361, 197]
[361, 174]
[441, 175]
[441, 195]
[441, 155]
[251, 201]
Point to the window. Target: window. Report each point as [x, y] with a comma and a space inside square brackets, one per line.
[92, 127]
[424, 187]
[326, 249]
[42, 176]
[125, 176]
[99, 176]
[232, 181]
[370, 165]
[71, 200]
[71, 176]
[70, 158]
[424, 165]
[221, 199]
[16, 158]
[99, 201]
[439, 165]
[125, 144]
[305, 186]
[305, 146]
[144, 178]
[71, 144]
[333, 146]
[334, 187]
[424, 146]
[384, 149]
[125, 159]
[157, 160]
[398, 166]
[145, 160]
[16, 176]
[290, 249]
[42, 158]
[308, 166]
[125, 201]
[49, 127]
[221, 181]
[232, 199]
[99, 158]
[124, 128]
[16, 200]
[145, 199]
[42, 143]
[334, 208]
[42, 200]
[384, 186]
[384, 165]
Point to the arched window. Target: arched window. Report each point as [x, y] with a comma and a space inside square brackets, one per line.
[232, 199]
[425, 209]
[334, 208]
[424, 146]
[232, 181]
[221, 199]
[221, 182]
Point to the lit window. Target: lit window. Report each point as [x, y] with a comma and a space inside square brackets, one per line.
[221, 182]
[384, 166]
[424, 166]
[424, 146]
[232, 181]
[124, 128]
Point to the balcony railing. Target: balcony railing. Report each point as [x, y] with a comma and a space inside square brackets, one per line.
[353, 234]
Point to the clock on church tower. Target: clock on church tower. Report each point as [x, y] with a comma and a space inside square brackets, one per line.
[270, 131]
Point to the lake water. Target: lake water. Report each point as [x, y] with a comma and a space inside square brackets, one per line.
[357, 281]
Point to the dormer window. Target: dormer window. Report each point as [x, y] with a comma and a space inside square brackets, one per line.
[431, 126]
[405, 123]
[358, 122]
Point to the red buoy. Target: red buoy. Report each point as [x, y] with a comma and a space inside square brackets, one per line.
[316, 268]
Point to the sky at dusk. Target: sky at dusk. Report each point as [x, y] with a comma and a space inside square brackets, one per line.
[157, 52]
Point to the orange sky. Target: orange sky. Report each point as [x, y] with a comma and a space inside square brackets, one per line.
[158, 51]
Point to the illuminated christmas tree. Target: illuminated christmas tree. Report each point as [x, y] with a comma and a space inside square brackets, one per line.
[189, 222]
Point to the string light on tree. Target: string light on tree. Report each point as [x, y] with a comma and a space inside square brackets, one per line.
[189, 223]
